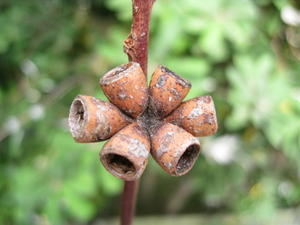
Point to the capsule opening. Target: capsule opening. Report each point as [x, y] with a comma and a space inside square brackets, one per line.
[78, 111]
[180, 80]
[120, 165]
[187, 159]
[77, 117]
[115, 74]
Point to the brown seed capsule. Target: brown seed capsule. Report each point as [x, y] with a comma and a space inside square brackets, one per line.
[93, 120]
[125, 155]
[197, 116]
[126, 87]
[167, 90]
[174, 149]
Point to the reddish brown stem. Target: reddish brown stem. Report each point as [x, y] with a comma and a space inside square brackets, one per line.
[128, 201]
[136, 47]
[136, 44]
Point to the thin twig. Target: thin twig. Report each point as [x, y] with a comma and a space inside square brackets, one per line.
[128, 201]
[136, 44]
[136, 47]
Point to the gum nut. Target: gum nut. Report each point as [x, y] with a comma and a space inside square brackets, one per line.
[167, 90]
[126, 87]
[125, 155]
[92, 120]
[174, 149]
[197, 116]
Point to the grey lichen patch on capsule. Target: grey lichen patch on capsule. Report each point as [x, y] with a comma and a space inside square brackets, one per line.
[175, 93]
[103, 127]
[138, 148]
[164, 144]
[196, 112]
[122, 95]
[135, 146]
[201, 107]
[205, 109]
[161, 81]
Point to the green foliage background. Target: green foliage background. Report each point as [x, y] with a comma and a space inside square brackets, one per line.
[241, 52]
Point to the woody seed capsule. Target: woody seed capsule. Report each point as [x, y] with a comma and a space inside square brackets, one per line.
[125, 155]
[167, 90]
[197, 116]
[126, 87]
[174, 149]
[93, 120]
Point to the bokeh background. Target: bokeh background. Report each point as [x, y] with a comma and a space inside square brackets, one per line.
[245, 53]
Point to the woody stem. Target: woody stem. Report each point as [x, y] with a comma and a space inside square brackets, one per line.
[136, 44]
[136, 47]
